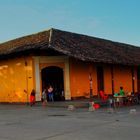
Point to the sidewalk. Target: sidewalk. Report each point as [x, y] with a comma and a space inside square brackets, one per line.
[83, 103]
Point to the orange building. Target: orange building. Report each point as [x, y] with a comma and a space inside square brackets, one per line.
[76, 65]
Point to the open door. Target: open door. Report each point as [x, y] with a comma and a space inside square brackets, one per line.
[54, 76]
[100, 78]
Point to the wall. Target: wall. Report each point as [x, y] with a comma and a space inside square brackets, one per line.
[16, 80]
[123, 77]
[79, 78]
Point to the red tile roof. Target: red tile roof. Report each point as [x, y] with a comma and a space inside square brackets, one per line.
[82, 47]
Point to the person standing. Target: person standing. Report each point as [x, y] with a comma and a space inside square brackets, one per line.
[32, 98]
[44, 97]
[50, 93]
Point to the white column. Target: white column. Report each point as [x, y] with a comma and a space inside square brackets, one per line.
[37, 78]
[67, 80]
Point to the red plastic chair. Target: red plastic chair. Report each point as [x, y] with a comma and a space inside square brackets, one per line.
[103, 96]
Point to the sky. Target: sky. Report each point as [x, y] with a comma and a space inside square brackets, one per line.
[116, 20]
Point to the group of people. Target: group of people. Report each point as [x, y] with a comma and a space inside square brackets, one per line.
[118, 97]
[126, 98]
[46, 94]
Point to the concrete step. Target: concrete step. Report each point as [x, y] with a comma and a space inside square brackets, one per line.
[75, 103]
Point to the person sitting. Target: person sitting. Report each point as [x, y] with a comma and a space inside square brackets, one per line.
[121, 91]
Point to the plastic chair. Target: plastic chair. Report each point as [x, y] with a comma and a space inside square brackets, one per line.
[103, 96]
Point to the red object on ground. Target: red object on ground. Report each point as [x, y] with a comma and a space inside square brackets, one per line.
[96, 106]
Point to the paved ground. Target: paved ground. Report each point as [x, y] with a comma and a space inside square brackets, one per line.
[21, 122]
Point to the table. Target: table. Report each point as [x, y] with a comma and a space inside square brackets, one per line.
[119, 100]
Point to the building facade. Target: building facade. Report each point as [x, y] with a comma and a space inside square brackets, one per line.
[76, 65]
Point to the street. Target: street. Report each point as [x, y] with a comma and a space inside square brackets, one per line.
[21, 122]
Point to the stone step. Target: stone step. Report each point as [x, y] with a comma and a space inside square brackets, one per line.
[75, 103]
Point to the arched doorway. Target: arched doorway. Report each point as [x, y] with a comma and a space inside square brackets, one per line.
[54, 76]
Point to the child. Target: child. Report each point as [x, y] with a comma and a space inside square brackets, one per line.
[44, 97]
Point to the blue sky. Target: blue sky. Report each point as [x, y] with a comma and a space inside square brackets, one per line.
[117, 20]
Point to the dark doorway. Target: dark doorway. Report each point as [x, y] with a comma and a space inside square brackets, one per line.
[100, 78]
[53, 75]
